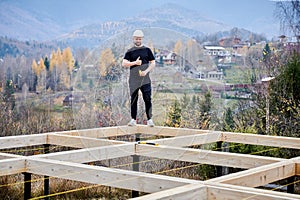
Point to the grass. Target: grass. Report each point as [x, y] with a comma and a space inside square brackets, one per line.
[237, 74]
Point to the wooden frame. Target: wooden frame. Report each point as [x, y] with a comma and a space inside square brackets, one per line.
[96, 144]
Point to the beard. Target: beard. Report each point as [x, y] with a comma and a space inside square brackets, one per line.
[137, 44]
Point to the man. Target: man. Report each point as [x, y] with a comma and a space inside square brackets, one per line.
[141, 61]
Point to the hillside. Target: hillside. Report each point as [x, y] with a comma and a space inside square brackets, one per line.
[14, 47]
[23, 24]
[163, 25]
[170, 17]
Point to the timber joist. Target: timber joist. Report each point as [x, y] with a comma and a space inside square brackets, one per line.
[99, 144]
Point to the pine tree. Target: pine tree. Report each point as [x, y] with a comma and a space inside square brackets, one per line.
[285, 99]
[9, 94]
[228, 120]
[174, 115]
[47, 63]
[205, 108]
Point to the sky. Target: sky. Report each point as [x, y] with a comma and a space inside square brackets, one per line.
[254, 15]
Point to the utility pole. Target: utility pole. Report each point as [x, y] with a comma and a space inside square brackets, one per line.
[267, 81]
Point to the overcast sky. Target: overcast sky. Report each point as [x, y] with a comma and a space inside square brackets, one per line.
[254, 15]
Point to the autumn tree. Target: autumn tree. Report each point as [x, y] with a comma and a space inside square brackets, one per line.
[106, 63]
[53, 77]
[36, 73]
[179, 51]
[35, 68]
[68, 59]
[60, 69]
[59, 58]
[192, 51]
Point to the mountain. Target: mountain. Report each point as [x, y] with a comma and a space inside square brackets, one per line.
[162, 25]
[170, 17]
[22, 24]
[34, 49]
[174, 16]
[228, 35]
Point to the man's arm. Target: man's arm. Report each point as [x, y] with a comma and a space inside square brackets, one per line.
[127, 63]
[150, 68]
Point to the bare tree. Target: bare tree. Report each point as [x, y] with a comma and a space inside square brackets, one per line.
[288, 13]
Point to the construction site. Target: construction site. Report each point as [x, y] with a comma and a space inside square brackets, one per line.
[92, 145]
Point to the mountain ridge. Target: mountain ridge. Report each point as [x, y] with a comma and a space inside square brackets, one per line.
[25, 25]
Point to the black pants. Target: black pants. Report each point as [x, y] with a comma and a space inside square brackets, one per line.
[146, 91]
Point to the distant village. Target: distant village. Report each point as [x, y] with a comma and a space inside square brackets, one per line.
[227, 53]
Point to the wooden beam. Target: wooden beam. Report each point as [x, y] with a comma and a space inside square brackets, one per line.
[297, 173]
[79, 141]
[91, 154]
[232, 192]
[297, 163]
[8, 155]
[259, 176]
[189, 140]
[12, 166]
[205, 156]
[217, 191]
[119, 178]
[168, 131]
[102, 132]
[190, 191]
[22, 141]
[265, 140]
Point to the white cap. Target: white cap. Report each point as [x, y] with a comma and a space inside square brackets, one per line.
[138, 33]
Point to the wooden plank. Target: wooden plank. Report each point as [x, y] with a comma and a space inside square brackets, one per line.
[189, 140]
[79, 141]
[190, 191]
[102, 132]
[297, 173]
[259, 176]
[297, 163]
[205, 156]
[12, 166]
[92, 154]
[232, 192]
[217, 191]
[265, 140]
[22, 141]
[168, 131]
[8, 155]
[130, 180]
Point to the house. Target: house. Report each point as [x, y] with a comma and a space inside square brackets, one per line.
[72, 99]
[219, 75]
[165, 57]
[230, 41]
[215, 50]
[215, 75]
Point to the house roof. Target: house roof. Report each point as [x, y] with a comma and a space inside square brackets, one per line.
[214, 48]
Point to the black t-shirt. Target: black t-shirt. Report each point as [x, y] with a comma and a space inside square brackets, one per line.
[146, 55]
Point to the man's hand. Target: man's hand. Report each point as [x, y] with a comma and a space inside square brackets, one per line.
[142, 73]
[138, 61]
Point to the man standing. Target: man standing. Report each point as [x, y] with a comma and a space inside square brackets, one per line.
[141, 61]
